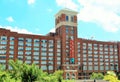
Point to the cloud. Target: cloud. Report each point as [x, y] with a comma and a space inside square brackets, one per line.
[16, 29]
[30, 2]
[10, 19]
[67, 4]
[105, 13]
[52, 30]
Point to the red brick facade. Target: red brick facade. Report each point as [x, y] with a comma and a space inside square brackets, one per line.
[55, 51]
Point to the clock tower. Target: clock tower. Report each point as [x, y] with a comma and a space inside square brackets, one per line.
[66, 28]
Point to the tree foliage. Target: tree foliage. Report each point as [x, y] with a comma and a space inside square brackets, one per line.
[111, 77]
[97, 76]
[22, 72]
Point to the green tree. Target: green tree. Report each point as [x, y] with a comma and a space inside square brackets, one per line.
[119, 76]
[96, 76]
[59, 75]
[111, 77]
[16, 70]
[30, 73]
[23, 71]
[5, 76]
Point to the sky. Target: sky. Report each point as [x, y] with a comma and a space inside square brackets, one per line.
[97, 19]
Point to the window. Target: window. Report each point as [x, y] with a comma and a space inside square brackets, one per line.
[36, 44]
[3, 42]
[36, 62]
[50, 63]
[36, 57]
[20, 43]
[95, 45]
[106, 67]
[43, 62]
[67, 74]
[51, 50]
[90, 63]
[2, 57]
[11, 38]
[84, 67]
[67, 18]
[58, 58]
[11, 42]
[50, 41]
[50, 67]
[84, 44]
[101, 67]
[44, 49]
[28, 57]
[11, 52]
[2, 61]
[90, 68]
[36, 53]
[71, 37]
[50, 45]
[95, 67]
[28, 44]
[36, 49]
[28, 62]
[44, 45]
[50, 58]
[44, 41]
[11, 47]
[43, 67]
[2, 47]
[58, 54]
[67, 31]
[19, 48]
[20, 57]
[58, 62]
[28, 48]
[20, 53]
[43, 58]
[36, 40]
[20, 39]
[28, 53]
[28, 40]
[72, 18]
[50, 54]
[58, 50]
[43, 54]
[78, 59]
[3, 37]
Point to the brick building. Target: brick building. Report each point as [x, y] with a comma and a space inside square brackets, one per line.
[78, 57]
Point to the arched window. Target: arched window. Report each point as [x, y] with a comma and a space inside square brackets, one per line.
[73, 76]
[67, 74]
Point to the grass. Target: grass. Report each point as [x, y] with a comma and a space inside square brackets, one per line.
[68, 81]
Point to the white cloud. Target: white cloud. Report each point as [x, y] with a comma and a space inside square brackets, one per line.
[102, 12]
[105, 13]
[31, 2]
[67, 4]
[16, 29]
[10, 19]
[52, 30]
